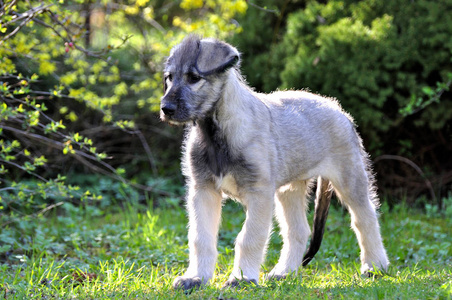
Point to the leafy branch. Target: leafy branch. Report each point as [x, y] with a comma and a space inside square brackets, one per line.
[59, 84]
[23, 109]
[433, 96]
[26, 17]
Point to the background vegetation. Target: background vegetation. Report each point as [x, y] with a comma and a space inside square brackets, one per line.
[80, 137]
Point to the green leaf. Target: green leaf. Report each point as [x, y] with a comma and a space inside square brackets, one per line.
[428, 91]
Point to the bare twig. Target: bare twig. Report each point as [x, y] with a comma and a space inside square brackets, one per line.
[4, 8]
[414, 166]
[22, 168]
[57, 145]
[119, 178]
[273, 11]
[42, 211]
[148, 151]
[82, 157]
[29, 15]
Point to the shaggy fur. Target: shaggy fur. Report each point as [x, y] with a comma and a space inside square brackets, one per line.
[262, 150]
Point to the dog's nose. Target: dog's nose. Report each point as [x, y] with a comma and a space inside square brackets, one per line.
[169, 109]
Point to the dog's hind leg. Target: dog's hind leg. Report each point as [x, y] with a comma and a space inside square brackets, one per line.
[355, 192]
[204, 213]
[291, 205]
[251, 242]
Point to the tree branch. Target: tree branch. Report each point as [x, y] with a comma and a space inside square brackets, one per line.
[414, 166]
[82, 157]
[29, 15]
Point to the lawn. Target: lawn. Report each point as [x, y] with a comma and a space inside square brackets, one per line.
[136, 252]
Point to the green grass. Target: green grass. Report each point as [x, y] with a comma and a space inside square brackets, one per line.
[136, 253]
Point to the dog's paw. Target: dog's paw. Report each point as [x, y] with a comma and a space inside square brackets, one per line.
[234, 282]
[275, 277]
[372, 270]
[373, 273]
[187, 283]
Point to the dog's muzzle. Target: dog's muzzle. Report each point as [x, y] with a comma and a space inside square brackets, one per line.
[169, 109]
[170, 112]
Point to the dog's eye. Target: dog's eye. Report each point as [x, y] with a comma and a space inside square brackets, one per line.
[193, 78]
[169, 77]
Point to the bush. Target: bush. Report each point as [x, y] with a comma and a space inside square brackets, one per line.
[82, 78]
[389, 64]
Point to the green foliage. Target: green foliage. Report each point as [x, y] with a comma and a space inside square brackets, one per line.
[388, 63]
[367, 54]
[370, 55]
[433, 96]
[69, 66]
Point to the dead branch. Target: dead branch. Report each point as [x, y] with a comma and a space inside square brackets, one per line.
[414, 166]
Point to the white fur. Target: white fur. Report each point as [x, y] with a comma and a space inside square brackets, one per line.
[291, 208]
[290, 199]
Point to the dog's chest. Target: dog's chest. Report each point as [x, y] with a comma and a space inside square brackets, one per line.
[211, 157]
[211, 151]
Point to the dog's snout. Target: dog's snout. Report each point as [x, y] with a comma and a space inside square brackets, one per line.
[169, 109]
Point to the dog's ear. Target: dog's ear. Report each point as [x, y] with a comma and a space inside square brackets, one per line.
[215, 57]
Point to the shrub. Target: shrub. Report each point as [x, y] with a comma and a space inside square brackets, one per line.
[79, 79]
[389, 64]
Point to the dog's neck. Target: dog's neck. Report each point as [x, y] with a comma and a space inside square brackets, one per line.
[233, 109]
[223, 131]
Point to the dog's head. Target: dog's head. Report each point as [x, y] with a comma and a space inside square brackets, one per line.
[194, 77]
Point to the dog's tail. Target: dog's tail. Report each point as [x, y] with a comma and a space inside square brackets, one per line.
[322, 206]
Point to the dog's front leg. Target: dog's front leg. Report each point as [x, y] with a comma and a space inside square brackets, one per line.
[252, 240]
[204, 212]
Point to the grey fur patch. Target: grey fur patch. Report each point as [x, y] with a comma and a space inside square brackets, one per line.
[212, 152]
[215, 57]
[234, 283]
[187, 283]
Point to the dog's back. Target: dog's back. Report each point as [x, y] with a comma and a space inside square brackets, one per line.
[323, 132]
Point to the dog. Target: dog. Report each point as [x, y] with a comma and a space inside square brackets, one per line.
[262, 150]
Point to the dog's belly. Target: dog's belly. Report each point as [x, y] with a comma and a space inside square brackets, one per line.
[301, 170]
[233, 187]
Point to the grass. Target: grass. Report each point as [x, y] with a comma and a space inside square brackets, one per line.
[83, 253]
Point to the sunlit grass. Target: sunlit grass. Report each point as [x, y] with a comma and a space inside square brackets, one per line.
[137, 253]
